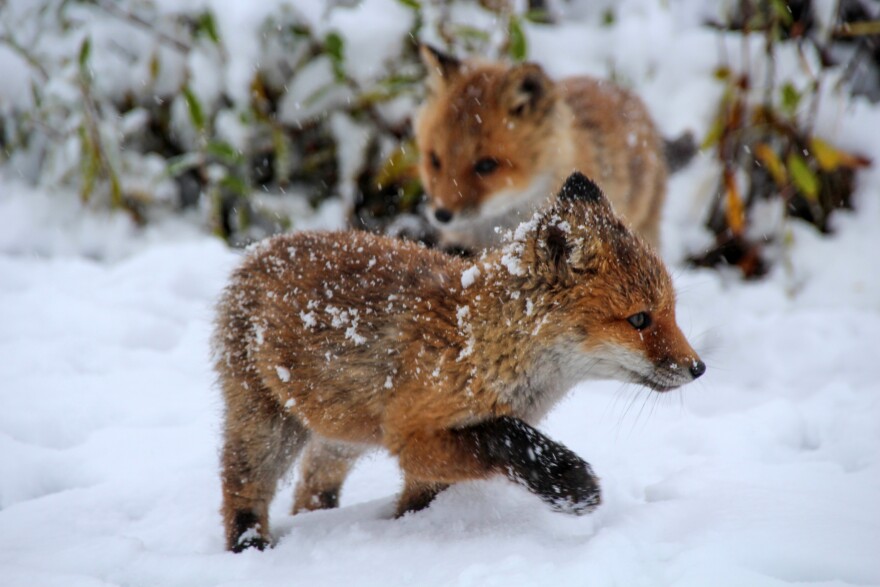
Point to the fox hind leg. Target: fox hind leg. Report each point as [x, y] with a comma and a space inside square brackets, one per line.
[260, 443]
[323, 469]
[417, 495]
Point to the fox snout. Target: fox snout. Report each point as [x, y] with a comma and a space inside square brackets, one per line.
[443, 215]
[670, 374]
[658, 356]
[673, 361]
[697, 368]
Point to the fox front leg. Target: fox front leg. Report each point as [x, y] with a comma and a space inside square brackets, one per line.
[502, 445]
[546, 468]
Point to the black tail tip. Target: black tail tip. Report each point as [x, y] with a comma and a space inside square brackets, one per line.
[579, 187]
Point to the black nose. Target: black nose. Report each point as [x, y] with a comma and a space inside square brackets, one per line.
[443, 215]
[698, 367]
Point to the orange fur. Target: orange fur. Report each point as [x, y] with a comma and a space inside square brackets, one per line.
[357, 340]
[537, 132]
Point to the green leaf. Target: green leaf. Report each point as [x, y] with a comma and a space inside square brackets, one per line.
[388, 88]
[400, 166]
[414, 4]
[803, 177]
[85, 51]
[471, 32]
[37, 95]
[196, 113]
[781, 11]
[538, 16]
[182, 163]
[90, 164]
[208, 27]
[716, 131]
[299, 30]
[517, 39]
[234, 184]
[224, 152]
[281, 145]
[115, 188]
[334, 47]
[791, 98]
[757, 22]
[721, 73]
[608, 17]
[319, 94]
[155, 67]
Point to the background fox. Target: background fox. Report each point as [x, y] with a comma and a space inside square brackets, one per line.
[496, 141]
[358, 340]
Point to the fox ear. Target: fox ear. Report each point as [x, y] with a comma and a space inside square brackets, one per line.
[558, 249]
[552, 254]
[527, 88]
[441, 66]
[578, 187]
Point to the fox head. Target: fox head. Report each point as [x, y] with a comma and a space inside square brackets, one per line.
[482, 135]
[612, 289]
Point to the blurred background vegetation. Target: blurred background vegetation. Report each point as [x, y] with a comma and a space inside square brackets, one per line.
[309, 127]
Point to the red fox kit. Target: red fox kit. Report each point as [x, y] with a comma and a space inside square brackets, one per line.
[496, 141]
[356, 340]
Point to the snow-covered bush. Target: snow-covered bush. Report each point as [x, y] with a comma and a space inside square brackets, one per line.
[249, 114]
[774, 163]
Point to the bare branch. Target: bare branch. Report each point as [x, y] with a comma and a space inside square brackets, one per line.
[114, 9]
[8, 40]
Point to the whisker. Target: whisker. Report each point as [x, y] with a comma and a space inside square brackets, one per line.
[612, 404]
[647, 397]
[636, 389]
[633, 391]
[658, 397]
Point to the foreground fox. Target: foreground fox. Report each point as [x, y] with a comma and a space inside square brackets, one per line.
[496, 141]
[357, 340]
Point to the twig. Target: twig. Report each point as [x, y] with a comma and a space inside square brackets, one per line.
[7, 39]
[113, 9]
[857, 29]
[815, 82]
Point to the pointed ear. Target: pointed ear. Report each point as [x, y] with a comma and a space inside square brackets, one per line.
[552, 254]
[558, 249]
[441, 66]
[527, 88]
[578, 187]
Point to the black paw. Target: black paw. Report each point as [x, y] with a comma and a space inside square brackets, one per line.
[571, 487]
[247, 533]
[250, 539]
[325, 500]
[552, 471]
[548, 469]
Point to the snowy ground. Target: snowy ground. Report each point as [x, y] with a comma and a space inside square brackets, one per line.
[764, 473]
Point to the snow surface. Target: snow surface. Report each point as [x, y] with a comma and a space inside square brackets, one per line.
[766, 472]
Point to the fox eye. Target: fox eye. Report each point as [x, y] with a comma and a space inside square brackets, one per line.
[486, 166]
[640, 321]
[435, 160]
